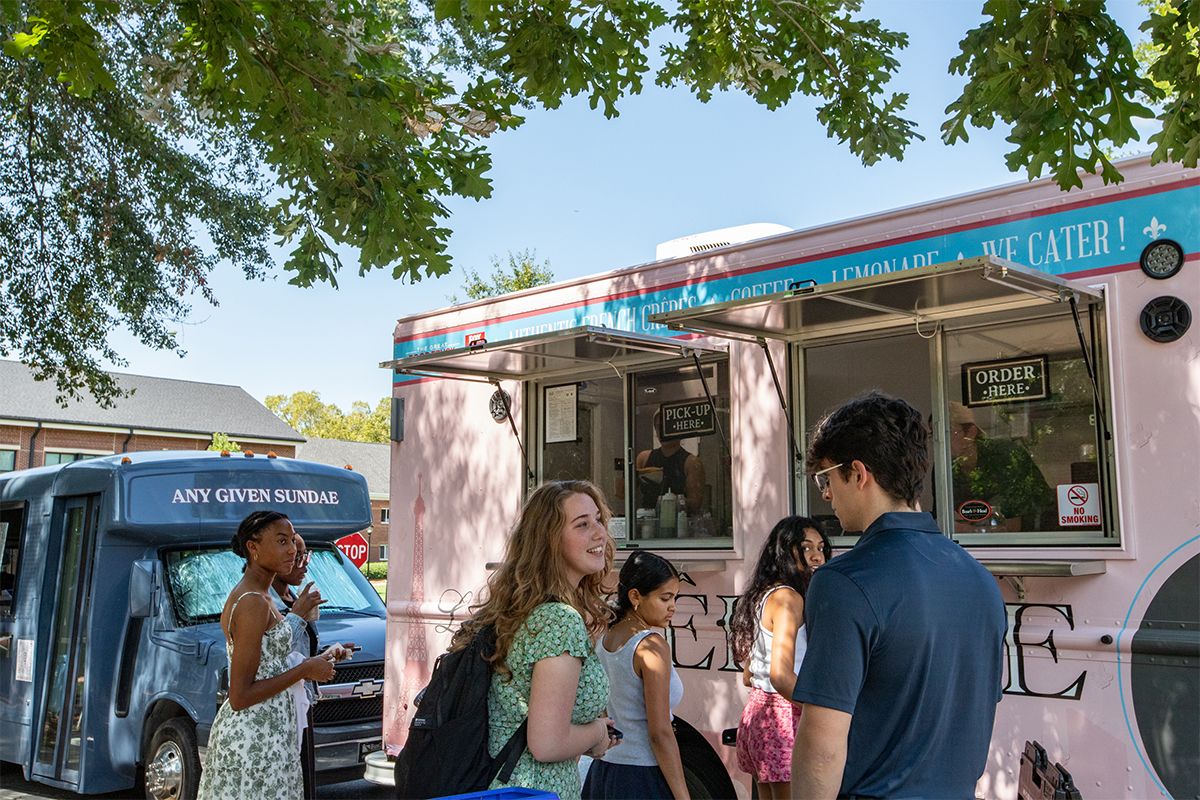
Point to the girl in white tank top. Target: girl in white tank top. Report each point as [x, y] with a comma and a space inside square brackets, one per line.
[760, 653]
[643, 689]
[769, 641]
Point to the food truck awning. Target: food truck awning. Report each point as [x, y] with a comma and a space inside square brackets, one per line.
[546, 355]
[954, 289]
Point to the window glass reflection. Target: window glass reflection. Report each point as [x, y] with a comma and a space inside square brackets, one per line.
[684, 491]
[1011, 458]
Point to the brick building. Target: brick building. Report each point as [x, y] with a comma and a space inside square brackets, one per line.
[166, 414]
[162, 414]
[373, 462]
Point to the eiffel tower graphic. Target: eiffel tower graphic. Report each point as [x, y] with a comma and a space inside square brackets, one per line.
[416, 660]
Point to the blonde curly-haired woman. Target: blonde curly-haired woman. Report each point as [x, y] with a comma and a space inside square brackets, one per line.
[547, 609]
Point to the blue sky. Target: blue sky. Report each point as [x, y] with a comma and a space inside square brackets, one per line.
[590, 195]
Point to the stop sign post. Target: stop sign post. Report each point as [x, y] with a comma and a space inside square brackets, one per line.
[354, 547]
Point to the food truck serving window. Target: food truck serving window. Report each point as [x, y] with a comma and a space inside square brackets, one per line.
[676, 459]
[684, 492]
[1018, 426]
[1024, 441]
[619, 409]
[991, 354]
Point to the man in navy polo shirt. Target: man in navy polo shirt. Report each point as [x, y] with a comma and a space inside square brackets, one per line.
[905, 632]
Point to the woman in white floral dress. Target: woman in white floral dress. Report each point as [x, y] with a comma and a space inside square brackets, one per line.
[547, 607]
[253, 750]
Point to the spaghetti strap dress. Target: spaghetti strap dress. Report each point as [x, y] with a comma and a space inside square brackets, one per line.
[255, 752]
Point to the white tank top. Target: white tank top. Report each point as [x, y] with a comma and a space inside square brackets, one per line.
[760, 653]
[627, 703]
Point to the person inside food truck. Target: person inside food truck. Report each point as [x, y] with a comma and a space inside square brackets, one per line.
[670, 468]
[1001, 473]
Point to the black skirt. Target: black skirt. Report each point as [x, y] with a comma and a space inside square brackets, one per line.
[625, 782]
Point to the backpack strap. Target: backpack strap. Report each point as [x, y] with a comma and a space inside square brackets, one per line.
[510, 754]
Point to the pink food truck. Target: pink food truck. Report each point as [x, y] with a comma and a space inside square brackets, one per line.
[1050, 331]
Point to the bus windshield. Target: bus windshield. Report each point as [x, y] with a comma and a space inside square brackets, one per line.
[201, 579]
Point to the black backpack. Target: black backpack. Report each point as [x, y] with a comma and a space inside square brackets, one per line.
[446, 750]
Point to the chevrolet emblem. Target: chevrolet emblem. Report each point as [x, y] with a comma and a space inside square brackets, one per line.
[368, 687]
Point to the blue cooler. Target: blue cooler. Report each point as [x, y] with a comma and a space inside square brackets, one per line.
[515, 793]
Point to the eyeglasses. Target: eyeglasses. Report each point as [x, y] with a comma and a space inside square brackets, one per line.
[302, 559]
[822, 480]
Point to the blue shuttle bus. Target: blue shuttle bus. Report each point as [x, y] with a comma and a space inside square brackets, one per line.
[113, 574]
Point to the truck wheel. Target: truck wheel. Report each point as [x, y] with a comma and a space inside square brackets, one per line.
[173, 762]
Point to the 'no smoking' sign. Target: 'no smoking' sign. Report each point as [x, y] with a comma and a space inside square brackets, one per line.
[1079, 504]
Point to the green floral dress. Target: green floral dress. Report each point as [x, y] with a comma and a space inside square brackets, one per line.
[551, 629]
[255, 752]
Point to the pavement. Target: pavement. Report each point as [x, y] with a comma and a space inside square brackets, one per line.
[13, 786]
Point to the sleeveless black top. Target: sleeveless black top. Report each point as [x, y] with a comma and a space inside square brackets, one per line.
[674, 476]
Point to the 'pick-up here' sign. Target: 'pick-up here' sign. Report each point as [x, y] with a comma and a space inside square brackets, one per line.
[691, 418]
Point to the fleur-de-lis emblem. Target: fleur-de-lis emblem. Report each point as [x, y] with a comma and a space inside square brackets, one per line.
[1155, 229]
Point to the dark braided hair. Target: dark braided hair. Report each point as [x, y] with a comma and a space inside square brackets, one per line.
[885, 433]
[644, 571]
[777, 566]
[251, 530]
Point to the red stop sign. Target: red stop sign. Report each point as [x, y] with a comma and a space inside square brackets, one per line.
[355, 548]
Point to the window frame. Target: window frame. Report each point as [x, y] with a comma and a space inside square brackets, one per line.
[22, 508]
[79, 453]
[1094, 318]
[535, 431]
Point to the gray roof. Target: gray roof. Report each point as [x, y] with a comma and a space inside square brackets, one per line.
[160, 404]
[371, 460]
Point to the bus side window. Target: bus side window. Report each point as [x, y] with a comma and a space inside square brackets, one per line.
[11, 529]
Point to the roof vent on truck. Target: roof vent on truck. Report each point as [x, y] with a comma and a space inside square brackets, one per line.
[699, 242]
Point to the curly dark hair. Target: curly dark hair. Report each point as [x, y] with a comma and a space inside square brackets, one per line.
[885, 433]
[777, 566]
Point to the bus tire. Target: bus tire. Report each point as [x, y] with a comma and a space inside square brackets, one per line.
[702, 768]
[173, 761]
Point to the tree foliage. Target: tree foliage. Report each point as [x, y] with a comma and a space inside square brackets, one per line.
[522, 272]
[98, 211]
[1174, 28]
[305, 412]
[1064, 76]
[221, 441]
[144, 141]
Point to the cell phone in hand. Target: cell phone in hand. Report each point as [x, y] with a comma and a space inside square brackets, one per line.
[613, 733]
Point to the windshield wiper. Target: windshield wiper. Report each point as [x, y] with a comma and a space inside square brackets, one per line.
[348, 610]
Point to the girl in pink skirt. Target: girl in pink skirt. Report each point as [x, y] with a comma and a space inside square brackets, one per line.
[769, 640]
